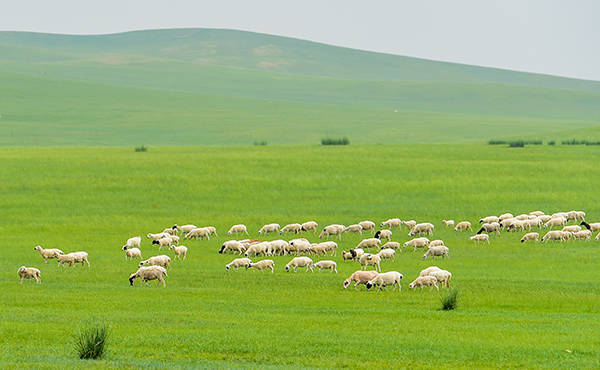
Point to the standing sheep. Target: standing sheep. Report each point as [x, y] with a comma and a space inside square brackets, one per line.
[185, 228]
[149, 273]
[332, 230]
[481, 238]
[556, 235]
[160, 260]
[354, 229]
[424, 281]
[369, 243]
[423, 228]
[592, 227]
[360, 277]
[409, 224]
[448, 223]
[232, 245]
[29, 273]
[48, 253]
[417, 243]
[393, 278]
[583, 234]
[310, 225]
[489, 220]
[131, 253]
[555, 221]
[239, 262]
[443, 277]
[73, 258]
[370, 260]
[263, 265]
[367, 225]
[429, 270]
[530, 236]
[300, 262]
[269, 228]
[384, 234]
[157, 236]
[179, 251]
[199, 232]
[493, 227]
[391, 245]
[136, 241]
[291, 228]
[238, 229]
[438, 251]
[164, 242]
[392, 222]
[435, 243]
[387, 253]
[327, 265]
[463, 226]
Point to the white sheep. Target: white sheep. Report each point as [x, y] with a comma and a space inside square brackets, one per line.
[48, 253]
[241, 229]
[357, 253]
[556, 235]
[73, 258]
[448, 223]
[368, 259]
[131, 253]
[170, 231]
[199, 232]
[492, 227]
[232, 245]
[359, 277]
[572, 228]
[391, 245]
[530, 236]
[163, 242]
[423, 281]
[435, 243]
[595, 226]
[417, 243]
[537, 213]
[291, 228]
[160, 260]
[422, 228]
[310, 225]
[429, 270]
[443, 277]
[327, 265]
[329, 246]
[480, 238]
[438, 251]
[212, 230]
[136, 241]
[583, 234]
[392, 222]
[384, 234]
[505, 216]
[29, 273]
[257, 249]
[179, 251]
[463, 226]
[369, 243]
[387, 253]
[263, 265]
[185, 228]
[409, 224]
[239, 262]
[522, 217]
[535, 222]
[300, 262]
[356, 228]
[148, 273]
[334, 229]
[556, 221]
[545, 218]
[393, 278]
[367, 225]
[347, 256]
[157, 236]
[277, 247]
[269, 228]
[489, 220]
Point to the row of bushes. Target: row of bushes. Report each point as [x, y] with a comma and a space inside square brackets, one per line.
[522, 143]
[324, 141]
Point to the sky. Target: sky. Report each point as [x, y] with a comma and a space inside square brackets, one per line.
[544, 36]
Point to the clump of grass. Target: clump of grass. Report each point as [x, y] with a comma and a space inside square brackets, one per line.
[516, 144]
[573, 142]
[260, 142]
[497, 142]
[332, 141]
[551, 142]
[142, 148]
[449, 299]
[592, 143]
[91, 341]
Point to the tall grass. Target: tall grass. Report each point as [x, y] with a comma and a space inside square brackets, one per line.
[332, 141]
[91, 341]
[449, 299]
[141, 148]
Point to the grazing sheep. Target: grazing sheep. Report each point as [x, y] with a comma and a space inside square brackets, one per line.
[179, 251]
[131, 253]
[329, 246]
[417, 243]
[300, 262]
[269, 228]
[556, 235]
[232, 245]
[360, 277]
[564, 215]
[29, 273]
[277, 247]
[480, 238]
[332, 230]
[537, 213]
[387, 253]
[429, 270]
[392, 222]
[185, 228]
[576, 215]
[241, 229]
[48, 253]
[463, 226]
[448, 223]
[438, 251]
[535, 222]
[73, 258]
[212, 230]
[157, 236]
[493, 227]
[369, 243]
[368, 259]
[556, 221]
[505, 216]
[160, 260]
[409, 224]
[354, 229]
[310, 225]
[545, 218]
[291, 228]
[136, 241]
[423, 281]
[299, 246]
[522, 217]
[149, 273]
[443, 277]
[367, 225]
[435, 243]
[391, 245]
[327, 265]
[530, 236]
[257, 249]
[263, 265]
[592, 227]
[199, 232]
[318, 249]
[384, 234]
[423, 228]
[164, 242]
[583, 234]
[489, 220]
[170, 231]
[393, 278]
[347, 256]
[239, 262]
[571, 228]
[174, 239]
[357, 253]
[515, 225]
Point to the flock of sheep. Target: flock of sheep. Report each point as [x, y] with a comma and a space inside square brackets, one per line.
[154, 268]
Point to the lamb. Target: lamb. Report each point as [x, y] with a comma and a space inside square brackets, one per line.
[179, 251]
[48, 253]
[157, 236]
[423, 228]
[489, 220]
[443, 277]
[417, 243]
[493, 227]
[160, 260]
[369, 243]
[367, 225]
[583, 234]
[354, 229]
[370, 259]
[592, 227]
[423, 281]
[269, 228]
[149, 273]
[238, 229]
[392, 278]
[73, 258]
[185, 228]
[387, 253]
[360, 277]
[263, 265]
[384, 234]
[439, 251]
[555, 221]
[136, 241]
[409, 224]
[291, 228]
[131, 253]
[310, 225]
[435, 243]
[29, 273]
[239, 262]
[480, 238]
[556, 235]
[199, 232]
[164, 242]
[572, 228]
[448, 223]
[392, 222]
[232, 245]
[530, 236]
[300, 262]
[332, 230]
[429, 270]
[327, 265]
[463, 226]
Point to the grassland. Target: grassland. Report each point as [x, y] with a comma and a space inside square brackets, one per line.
[521, 305]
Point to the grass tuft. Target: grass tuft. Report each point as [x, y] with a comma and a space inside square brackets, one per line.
[260, 142]
[449, 299]
[91, 341]
[142, 148]
[332, 141]
[551, 142]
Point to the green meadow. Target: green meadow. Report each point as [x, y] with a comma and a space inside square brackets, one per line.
[520, 305]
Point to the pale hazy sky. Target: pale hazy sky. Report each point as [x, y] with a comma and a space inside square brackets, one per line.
[546, 36]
